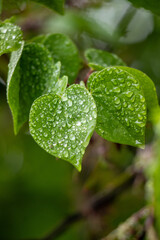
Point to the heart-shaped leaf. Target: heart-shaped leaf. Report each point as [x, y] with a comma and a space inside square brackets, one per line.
[10, 37]
[64, 50]
[31, 74]
[121, 106]
[98, 59]
[148, 89]
[63, 125]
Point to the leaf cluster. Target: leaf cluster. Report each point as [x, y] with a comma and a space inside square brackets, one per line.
[117, 101]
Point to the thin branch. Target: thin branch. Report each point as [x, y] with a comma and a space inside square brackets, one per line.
[101, 200]
[87, 76]
[72, 219]
[135, 225]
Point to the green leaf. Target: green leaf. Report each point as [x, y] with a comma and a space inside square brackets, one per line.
[10, 37]
[31, 74]
[64, 125]
[60, 86]
[153, 5]
[148, 89]
[121, 106]
[98, 59]
[57, 5]
[64, 50]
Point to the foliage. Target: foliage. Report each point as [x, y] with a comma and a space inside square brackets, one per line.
[69, 57]
[98, 59]
[58, 6]
[75, 91]
[120, 101]
[121, 95]
[153, 5]
[11, 37]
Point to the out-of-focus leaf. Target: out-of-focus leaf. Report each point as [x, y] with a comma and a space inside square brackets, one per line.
[63, 125]
[155, 169]
[64, 50]
[31, 74]
[153, 5]
[57, 5]
[121, 106]
[148, 89]
[98, 59]
[10, 37]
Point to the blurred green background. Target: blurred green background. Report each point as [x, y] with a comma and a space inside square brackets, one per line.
[38, 191]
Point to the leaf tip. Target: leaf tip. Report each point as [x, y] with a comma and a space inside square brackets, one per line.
[78, 167]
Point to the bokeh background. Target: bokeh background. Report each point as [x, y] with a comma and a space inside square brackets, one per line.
[38, 191]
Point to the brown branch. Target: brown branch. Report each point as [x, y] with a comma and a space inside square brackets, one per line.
[87, 76]
[64, 226]
[101, 200]
[134, 226]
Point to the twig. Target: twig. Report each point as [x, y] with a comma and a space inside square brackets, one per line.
[87, 76]
[64, 225]
[134, 226]
[98, 202]
[149, 227]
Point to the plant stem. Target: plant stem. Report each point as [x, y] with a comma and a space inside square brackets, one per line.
[101, 200]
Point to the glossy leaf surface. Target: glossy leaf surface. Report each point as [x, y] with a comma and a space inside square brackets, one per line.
[121, 106]
[148, 89]
[63, 125]
[10, 37]
[64, 50]
[98, 59]
[31, 75]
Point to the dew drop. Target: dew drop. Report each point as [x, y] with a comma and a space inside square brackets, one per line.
[125, 104]
[72, 137]
[45, 134]
[69, 103]
[117, 100]
[117, 90]
[129, 94]
[86, 109]
[140, 117]
[64, 98]
[114, 81]
[78, 123]
[142, 99]
[94, 114]
[140, 124]
[65, 154]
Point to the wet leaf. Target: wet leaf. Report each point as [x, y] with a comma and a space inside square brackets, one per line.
[64, 50]
[121, 106]
[98, 59]
[64, 125]
[10, 37]
[148, 89]
[153, 5]
[31, 74]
